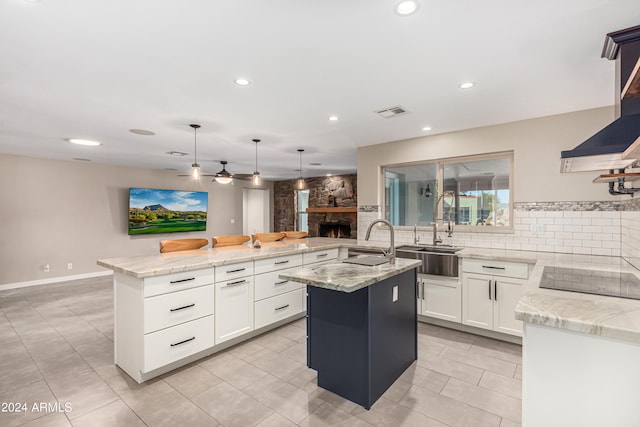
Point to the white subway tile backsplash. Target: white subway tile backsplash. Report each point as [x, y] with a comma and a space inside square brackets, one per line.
[572, 228]
[581, 221]
[601, 221]
[572, 214]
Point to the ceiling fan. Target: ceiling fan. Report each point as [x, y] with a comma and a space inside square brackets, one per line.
[225, 177]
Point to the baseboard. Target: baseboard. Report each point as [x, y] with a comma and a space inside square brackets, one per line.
[470, 329]
[54, 280]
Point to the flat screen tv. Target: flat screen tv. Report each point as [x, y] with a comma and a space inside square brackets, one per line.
[154, 211]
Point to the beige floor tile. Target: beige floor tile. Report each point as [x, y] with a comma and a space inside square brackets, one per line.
[508, 423]
[505, 385]
[173, 409]
[63, 364]
[287, 400]
[28, 395]
[232, 407]
[336, 401]
[18, 372]
[245, 349]
[138, 395]
[425, 378]
[55, 419]
[329, 415]
[192, 381]
[275, 420]
[483, 362]
[281, 367]
[114, 414]
[396, 392]
[85, 392]
[430, 347]
[293, 332]
[447, 410]
[487, 400]
[389, 414]
[452, 368]
[297, 352]
[499, 350]
[307, 380]
[274, 342]
[235, 371]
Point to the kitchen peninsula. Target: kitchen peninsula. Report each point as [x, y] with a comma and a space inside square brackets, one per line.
[173, 308]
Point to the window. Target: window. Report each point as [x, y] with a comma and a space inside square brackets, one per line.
[302, 217]
[476, 192]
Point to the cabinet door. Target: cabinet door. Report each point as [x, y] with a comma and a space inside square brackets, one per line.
[477, 300]
[442, 299]
[508, 292]
[233, 308]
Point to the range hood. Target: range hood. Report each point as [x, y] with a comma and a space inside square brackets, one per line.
[617, 146]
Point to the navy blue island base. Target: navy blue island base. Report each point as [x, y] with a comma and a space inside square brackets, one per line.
[361, 342]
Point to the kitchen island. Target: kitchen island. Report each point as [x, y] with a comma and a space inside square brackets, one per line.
[361, 325]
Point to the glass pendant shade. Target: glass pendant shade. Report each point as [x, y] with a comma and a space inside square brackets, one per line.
[224, 179]
[256, 180]
[301, 185]
[195, 171]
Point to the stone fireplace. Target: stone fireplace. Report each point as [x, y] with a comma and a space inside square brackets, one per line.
[332, 210]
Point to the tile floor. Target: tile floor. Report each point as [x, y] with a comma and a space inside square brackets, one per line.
[56, 348]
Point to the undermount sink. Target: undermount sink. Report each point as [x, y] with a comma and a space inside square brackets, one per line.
[436, 260]
[370, 260]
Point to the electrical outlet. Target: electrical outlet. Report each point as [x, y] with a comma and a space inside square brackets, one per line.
[46, 268]
[233, 221]
[69, 266]
[395, 293]
[537, 230]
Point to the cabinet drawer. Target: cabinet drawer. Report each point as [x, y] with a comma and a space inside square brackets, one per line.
[496, 268]
[319, 256]
[270, 310]
[167, 310]
[177, 281]
[171, 344]
[269, 284]
[233, 271]
[277, 263]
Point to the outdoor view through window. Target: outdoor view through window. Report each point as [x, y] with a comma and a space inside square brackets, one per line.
[477, 192]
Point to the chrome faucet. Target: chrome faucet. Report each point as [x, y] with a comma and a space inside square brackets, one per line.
[391, 254]
[437, 239]
[416, 238]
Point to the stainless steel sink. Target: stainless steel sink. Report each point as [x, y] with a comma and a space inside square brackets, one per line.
[436, 260]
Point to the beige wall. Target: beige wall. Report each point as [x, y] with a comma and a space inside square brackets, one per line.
[58, 212]
[536, 143]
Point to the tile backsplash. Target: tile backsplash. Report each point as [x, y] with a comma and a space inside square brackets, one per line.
[590, 228]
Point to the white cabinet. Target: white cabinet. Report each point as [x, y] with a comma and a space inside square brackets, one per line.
[319, 256]
[490, 292]
[276, 299]
[162, 319]
[234, 304]
[439, 297]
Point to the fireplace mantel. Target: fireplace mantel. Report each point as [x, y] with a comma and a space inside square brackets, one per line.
[328, 210]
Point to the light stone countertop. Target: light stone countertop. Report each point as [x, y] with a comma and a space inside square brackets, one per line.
[344, 277]
[175, 262]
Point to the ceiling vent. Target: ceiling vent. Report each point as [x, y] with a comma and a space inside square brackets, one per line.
[390, 112]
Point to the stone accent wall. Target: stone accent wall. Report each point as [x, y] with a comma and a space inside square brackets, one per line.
[331, 191]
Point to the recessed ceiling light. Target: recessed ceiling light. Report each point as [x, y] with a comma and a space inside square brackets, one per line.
[406, 7]
[426, 128]
[177, 153]
[466, 85]
[84, 141]
[334, 118]
[141, 132]
[242, 82]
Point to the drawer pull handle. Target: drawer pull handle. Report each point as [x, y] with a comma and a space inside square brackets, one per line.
[238, 282]
[493, 267]
[281, 283]
[237, 270]
[182, 308]
[183, 342]
[281, 262]
[182, 280]
[322, 255]
[281, 308]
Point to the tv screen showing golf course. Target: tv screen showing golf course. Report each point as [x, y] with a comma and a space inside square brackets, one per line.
[154, 211]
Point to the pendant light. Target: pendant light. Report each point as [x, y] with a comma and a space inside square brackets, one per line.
[195, 167]
[256, 175]
[301, 185]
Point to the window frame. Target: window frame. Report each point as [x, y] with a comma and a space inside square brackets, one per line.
[440, 164]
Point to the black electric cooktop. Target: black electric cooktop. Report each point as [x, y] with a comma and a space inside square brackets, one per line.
[623, 285]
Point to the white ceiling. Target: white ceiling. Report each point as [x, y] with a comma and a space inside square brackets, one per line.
[95, 69]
